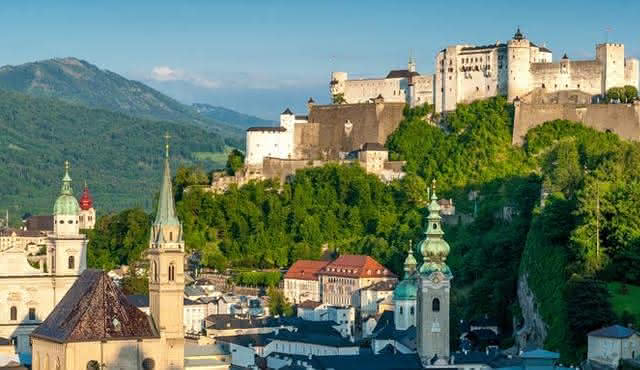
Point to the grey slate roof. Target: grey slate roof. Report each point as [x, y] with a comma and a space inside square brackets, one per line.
[613, 331]
[401, 73]
[268, 129]
[95, 309]
[256, 340]
[371, 362]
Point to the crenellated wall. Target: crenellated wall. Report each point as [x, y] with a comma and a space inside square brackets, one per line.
[622, 119]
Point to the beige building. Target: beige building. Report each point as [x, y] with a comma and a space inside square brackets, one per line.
[96, 327]
[399, 86]
[610, 345]
[301, 282]
[344, 277]
[30, 293]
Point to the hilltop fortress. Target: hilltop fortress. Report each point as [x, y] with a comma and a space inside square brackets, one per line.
[465, 73]
[366, 111]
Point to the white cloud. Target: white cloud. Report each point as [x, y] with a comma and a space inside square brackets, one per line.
[166, 73]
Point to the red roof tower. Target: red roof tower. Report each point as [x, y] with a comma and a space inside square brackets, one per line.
[85, 201]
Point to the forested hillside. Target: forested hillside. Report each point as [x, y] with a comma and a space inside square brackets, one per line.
[505, 232]
[120, 157]
[79, 82]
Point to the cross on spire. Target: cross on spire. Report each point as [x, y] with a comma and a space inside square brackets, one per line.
[166, 144]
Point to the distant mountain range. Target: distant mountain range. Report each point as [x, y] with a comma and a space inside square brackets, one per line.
[110, 128]
[78, 82]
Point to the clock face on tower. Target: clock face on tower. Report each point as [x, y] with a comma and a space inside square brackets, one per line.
[436, 278]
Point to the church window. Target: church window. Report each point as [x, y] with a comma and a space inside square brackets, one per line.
[61, 221]
[70, 221]
[32, 314]
[14, 313]
[543, 86]
[435, 305]
[94, 365]
[172, 272]
[72, 262]
[401, 310]
[170, 235]
[413, 311]
[435, 225]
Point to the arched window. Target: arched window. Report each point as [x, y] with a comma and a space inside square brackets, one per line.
[401, 310]
[413, 310]
[14, 313]
[93, 365]
[172, 272]
[170, 236]
[148, 364]
[32, 314]
[435, 305]
[72, 262]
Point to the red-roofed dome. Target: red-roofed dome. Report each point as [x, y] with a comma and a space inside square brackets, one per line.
[85, 201]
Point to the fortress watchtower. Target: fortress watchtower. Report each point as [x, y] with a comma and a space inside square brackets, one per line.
[611, 56]
[338, 82]
[519, 63]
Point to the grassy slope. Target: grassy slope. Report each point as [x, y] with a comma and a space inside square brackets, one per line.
[625, 302]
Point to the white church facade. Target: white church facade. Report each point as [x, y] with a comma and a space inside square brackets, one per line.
[31, 292]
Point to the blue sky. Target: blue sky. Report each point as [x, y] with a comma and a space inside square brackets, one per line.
[261, 56]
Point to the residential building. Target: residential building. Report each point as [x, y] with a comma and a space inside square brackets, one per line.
[609, 346]
[301, 282]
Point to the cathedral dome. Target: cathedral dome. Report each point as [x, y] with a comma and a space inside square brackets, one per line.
[406, 290]
[66, 204]
[86, 202]
[433, 247]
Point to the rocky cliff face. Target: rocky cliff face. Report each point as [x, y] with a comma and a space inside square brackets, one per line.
[534, 331]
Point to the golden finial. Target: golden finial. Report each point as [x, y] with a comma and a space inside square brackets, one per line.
[166, 144]
[410, 246]
[433, 189]
[66, 166]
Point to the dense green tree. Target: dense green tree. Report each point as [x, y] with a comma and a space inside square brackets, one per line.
[278, 304]
[235, 161]
[588, 307]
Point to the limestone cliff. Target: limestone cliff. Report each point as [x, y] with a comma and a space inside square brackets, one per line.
[533, 331]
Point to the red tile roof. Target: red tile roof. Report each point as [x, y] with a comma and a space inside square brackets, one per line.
[356, 266]
[309, 304]
[305, 270]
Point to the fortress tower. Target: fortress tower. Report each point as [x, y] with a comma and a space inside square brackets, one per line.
[519, 63]
[337, 83]
[434, 284]
[166, 280]
[611, 56]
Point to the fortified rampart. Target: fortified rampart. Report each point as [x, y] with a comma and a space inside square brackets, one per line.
[343, 128]
[622, 119]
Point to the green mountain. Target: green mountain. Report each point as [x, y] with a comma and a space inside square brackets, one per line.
[119, 156]
[230, 116]
[79, 82]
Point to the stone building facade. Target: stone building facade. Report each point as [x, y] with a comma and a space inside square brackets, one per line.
[301, 282]
[399, 86]
[342, 278]
[465, 73]
[31, 293]
[126, 338]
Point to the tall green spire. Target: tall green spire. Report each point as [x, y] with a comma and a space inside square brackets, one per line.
[66, 181]
[410, 262]
[166, 214]
[434, 248]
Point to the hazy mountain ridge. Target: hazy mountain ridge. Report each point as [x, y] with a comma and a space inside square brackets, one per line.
[79, 82]
[230, 116]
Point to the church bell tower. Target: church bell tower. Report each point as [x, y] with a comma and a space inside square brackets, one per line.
[434, 283]
[166, 272]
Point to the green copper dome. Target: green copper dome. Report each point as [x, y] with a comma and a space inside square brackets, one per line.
[406, 290]
[433, 247]
[66, 204]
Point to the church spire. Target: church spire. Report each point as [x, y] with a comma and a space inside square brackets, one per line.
[434, 248]
[166, 213]
[66, 181]
[410, 262]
